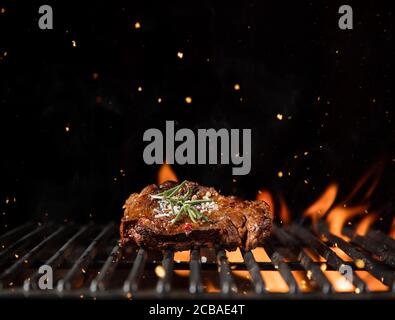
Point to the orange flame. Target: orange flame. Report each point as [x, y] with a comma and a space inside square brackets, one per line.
[166, 173]
[321, 206]
[339, 215]
[284, 211]
[372, 175]
[392, 232]
[265, 195]
[365, 223]
[182, 256]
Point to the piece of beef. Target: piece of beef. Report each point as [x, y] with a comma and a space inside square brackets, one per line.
[229, 221]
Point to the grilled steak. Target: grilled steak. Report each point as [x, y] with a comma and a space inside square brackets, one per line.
[187, 215]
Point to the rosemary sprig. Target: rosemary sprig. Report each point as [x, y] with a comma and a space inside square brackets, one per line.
[183, 202]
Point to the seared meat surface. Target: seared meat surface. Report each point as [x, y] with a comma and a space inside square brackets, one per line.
[188, 215]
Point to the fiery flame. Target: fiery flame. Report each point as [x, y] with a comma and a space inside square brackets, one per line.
[336, 214]
[166, 173]
[265, 195]
[372, 283]
[234, 256]
[260, 255]
[183, 256]
[392, 232]
[339, 215]
[372, 175]
[284, 211]
[321, 206]
[304, 283]
[274, 281]
[365, 223]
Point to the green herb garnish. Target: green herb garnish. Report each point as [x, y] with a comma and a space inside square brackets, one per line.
[183, 202]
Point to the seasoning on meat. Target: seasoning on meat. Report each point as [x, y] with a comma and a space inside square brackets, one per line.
[187, 215]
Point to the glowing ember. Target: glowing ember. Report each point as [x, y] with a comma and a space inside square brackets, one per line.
[188, 100]
[166, 173]
[160, 271]
[360, 264]
[280, 174]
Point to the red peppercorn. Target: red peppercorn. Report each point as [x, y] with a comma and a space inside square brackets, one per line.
[187, 228]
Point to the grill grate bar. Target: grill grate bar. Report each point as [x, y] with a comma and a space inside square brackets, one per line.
[100, 282]
[55, 260]
[83, 260]
[279, 263]
[71, 247]
[253, 269]
[228, 285]
[378, 271]
[23, 242]
[322, 249]
[195, 281]
[132, 281]
[305, 260]
[382, 252]
[164, 284]
[10, 235]
[28, 257]
[379, 236]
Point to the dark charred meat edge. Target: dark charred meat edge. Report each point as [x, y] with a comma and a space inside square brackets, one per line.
[229, 222]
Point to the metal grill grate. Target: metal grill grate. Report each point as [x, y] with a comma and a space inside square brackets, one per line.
[294, 263]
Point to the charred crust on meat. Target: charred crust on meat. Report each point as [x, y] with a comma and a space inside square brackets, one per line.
[231, 223]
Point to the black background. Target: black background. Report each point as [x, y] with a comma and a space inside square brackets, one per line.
[334, 89]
